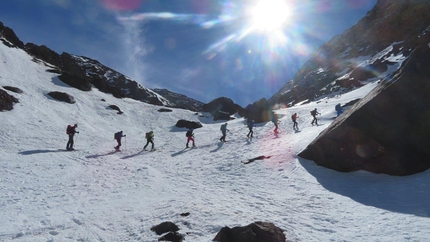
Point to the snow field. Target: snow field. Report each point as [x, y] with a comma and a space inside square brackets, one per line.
[96, 194]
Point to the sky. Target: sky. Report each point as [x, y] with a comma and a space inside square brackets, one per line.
[204, 49]
[96, 194]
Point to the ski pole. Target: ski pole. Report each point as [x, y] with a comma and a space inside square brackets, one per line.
[76, 137]
[125, 142]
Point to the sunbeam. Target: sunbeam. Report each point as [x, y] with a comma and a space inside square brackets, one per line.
[269, 15]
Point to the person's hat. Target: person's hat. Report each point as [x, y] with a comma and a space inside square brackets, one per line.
[76, 125]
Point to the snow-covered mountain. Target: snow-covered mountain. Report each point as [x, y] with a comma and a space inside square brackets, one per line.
[96, 194]
[372, 49]
[84, 73]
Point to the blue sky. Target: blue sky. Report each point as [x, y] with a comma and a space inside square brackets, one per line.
[201, 48]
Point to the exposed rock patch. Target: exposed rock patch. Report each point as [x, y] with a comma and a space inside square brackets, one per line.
[61, 96]
[254, 232]
[13, 89]
[164, 110]
[165, 227]
[6, 101]
[114, 107]
[188, 124]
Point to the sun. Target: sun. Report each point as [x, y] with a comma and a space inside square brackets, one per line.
[269, 15]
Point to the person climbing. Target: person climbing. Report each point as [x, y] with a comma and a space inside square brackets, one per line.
[338, 109]
[314, 114]
[71, 130]
[223, 129]
[250, 127]
[118, 136]
[275, 122]
[294, 117]
[190, 137]
[149, 139]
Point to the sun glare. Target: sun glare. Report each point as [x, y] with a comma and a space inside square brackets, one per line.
[269, 15]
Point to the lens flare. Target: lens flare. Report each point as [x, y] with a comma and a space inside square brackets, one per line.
[122, 5]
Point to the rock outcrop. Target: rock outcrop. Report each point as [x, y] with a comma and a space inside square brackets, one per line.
[221, 108]
[6, 101]
[188, 124]
[387, 131]
[362, 53]
[255, 232]
[63, 97]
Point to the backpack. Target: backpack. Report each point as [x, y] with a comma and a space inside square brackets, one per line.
[116, 135]
[148, 135]
[189, 133]
[69, 129]
[313, 112]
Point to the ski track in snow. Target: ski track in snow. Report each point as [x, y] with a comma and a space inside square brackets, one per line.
[96, 194]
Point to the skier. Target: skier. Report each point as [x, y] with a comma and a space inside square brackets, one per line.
[190, 137]
[294, 117]
[314, 114]
[250, 127]
[275, 122]
[118, 137]
[223, 129]
[338, 109]
[149, 139]
[71, 130]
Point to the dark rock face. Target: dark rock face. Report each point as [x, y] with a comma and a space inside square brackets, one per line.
[82, 72]
[221, 108]
[44, 53]
[387, 131]
[180, 101]
[13, 40]
[259, 111]
[255, 232]
[188, 124]
[75, 81]
[165, 227]
[61, 96]
[13, 89]
[6, 101]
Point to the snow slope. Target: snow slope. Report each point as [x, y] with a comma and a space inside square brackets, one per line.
[95, 194]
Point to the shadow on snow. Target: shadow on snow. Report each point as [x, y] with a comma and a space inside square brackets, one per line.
[405, 194]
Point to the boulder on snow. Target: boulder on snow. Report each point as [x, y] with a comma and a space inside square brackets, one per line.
[164, 110]
[387, 131]
[254, 232]
[13, 89]
[172, 236]
[188, 124]
[221, 108]
[7, 101]
[116, 108]
[61, 96]
[259, 111]
[165, 227]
